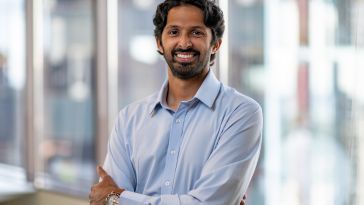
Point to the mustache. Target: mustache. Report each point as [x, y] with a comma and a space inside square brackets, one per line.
[190, 50]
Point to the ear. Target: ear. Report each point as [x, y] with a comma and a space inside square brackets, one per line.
[159, 45]
[216, 46]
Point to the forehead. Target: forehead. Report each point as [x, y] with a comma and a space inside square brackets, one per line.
[185, 16]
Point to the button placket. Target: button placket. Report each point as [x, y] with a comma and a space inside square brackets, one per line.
[173, 148]
[167, 183]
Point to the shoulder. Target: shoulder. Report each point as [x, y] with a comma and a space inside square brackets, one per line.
[235, 101]
[241, 112]
[138, 109]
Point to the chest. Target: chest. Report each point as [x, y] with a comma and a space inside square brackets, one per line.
[173, 147]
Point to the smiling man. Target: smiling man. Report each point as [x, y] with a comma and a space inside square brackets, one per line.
[194, 142]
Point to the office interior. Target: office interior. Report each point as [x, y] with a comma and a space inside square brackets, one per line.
[68, 66]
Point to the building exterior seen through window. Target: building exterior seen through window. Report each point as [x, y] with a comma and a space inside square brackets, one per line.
[67, 145]
[12, 81]
[12, 97]
[300, 60]
[141, 68]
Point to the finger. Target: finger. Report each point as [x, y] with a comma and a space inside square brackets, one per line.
[101, 172]
[242, 202]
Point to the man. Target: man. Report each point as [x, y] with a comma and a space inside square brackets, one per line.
[195, 142]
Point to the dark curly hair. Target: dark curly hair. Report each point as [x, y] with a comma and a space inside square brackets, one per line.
[213, 17]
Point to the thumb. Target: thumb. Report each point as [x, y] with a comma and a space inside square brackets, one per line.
[101, 172]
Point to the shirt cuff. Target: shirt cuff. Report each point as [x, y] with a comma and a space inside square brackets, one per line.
[132, 198]
[170, 199]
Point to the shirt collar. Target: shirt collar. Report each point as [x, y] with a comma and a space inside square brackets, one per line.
[160, 100]
[207, 93]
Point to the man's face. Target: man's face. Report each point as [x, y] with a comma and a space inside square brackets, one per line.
[186, 42]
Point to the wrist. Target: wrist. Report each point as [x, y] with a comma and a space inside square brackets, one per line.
[113, 197]
[118, 191]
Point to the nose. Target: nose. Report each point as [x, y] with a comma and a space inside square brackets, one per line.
[184, 42]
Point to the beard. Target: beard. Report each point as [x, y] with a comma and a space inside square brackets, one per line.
[188, 70]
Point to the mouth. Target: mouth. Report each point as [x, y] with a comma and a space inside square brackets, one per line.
[185, 56]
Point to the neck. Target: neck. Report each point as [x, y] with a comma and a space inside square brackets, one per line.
[183, 89]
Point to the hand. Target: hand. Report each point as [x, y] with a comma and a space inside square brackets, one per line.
[242, 202]
[100, 190]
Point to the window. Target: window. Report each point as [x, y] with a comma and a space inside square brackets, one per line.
[139, 62]
[300, 60]
[12, 97]
[67, 142]
[12, 81]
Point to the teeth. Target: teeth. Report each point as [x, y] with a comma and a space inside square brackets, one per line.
[184, 55]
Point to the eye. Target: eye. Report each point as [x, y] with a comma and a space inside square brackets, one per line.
[198, 33]
[173, 32]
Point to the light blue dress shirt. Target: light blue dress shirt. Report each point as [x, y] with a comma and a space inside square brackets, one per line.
[204, 153]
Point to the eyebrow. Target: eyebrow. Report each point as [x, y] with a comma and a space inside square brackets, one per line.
[172, 26]
[193, 27]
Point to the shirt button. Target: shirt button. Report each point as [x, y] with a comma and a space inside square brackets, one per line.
[167, 183]
[178, 121]
[173, 152]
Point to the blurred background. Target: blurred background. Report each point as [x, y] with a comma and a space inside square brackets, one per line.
[68, 66]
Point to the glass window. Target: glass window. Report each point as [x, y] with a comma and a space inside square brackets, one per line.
[67, 147]
[141, 69]
[12, 98]
[246, 67]
[12, 81]
[300, 60]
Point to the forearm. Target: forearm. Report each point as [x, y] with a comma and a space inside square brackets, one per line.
[225, 185]
[131, 198]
